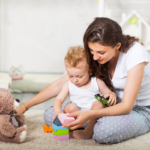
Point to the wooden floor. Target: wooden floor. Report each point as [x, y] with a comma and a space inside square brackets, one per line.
[23, 97]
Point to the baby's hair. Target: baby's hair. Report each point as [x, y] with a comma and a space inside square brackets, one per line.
[75, 55]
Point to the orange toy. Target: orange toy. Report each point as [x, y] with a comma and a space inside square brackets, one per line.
[47, 129]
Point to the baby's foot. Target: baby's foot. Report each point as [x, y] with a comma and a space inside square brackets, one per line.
[81, 134]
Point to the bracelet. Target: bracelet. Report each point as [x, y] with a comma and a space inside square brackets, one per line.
[25, 107]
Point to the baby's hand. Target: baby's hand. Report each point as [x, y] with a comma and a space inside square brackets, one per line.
[112, 98]
[54, 118]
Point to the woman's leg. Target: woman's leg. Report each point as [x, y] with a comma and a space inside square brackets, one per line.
[88, 131]
[114, 129]
[49, 113]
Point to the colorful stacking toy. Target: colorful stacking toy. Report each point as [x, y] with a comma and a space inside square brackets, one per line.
[61, 133]
[47, 129]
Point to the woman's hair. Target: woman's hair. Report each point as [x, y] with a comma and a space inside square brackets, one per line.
[74, 56]
[107, 33]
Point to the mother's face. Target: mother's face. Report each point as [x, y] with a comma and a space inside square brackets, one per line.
[101, 53]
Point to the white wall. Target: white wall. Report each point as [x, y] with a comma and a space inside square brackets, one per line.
[37, 33]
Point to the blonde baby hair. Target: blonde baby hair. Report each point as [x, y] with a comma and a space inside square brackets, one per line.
[74, 56]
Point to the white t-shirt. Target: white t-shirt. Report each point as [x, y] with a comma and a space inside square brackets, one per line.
[84, 98]
[135, 55]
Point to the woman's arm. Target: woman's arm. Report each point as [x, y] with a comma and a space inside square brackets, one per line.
[61, 98]
[133, 83]
[50, 91]
[103, 87]
[132, 86]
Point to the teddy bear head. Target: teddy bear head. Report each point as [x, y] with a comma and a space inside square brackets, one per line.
[7, 102]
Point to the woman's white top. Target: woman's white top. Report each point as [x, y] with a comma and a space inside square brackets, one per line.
[134, 56]
[84, 98]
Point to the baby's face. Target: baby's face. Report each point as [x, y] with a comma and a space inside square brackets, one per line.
[79, 76]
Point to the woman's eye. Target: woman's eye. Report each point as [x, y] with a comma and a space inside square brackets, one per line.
[80, 76]
[101, 53]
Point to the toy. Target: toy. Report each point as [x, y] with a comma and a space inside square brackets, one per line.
[47, 129]
[12, 127]
[61, 133]
[102, 100]
[19, 85]
[61, 137]
[56, 127]
[57, 121]
[64, 119]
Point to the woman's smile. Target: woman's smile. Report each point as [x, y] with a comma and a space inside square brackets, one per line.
[100, 60]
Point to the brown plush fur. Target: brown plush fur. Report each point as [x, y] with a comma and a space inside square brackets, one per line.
[9, 132]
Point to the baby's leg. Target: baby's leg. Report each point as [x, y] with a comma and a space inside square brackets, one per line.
[71, 108]
[88, 131]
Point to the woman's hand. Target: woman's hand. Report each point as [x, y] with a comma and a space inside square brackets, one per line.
[81, 118]
[22, 109]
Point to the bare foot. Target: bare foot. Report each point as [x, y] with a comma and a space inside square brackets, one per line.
[81, 134]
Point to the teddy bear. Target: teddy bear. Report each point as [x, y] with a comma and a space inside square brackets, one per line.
[12, 126]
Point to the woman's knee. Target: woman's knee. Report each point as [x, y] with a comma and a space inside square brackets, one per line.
[104, 133]
[71, 108]
[97, 105]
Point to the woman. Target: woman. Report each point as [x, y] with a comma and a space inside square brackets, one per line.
[122, 63]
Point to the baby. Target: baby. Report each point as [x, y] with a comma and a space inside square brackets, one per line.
[81, 88]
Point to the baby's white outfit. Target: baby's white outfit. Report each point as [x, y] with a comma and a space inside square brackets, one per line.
[84, 98]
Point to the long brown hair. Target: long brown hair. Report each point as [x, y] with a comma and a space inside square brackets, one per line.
[107, 33]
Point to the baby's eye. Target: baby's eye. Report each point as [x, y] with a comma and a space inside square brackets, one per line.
[70, 76]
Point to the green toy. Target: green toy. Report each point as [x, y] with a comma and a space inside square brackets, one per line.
[102, 100]
[61, 132]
